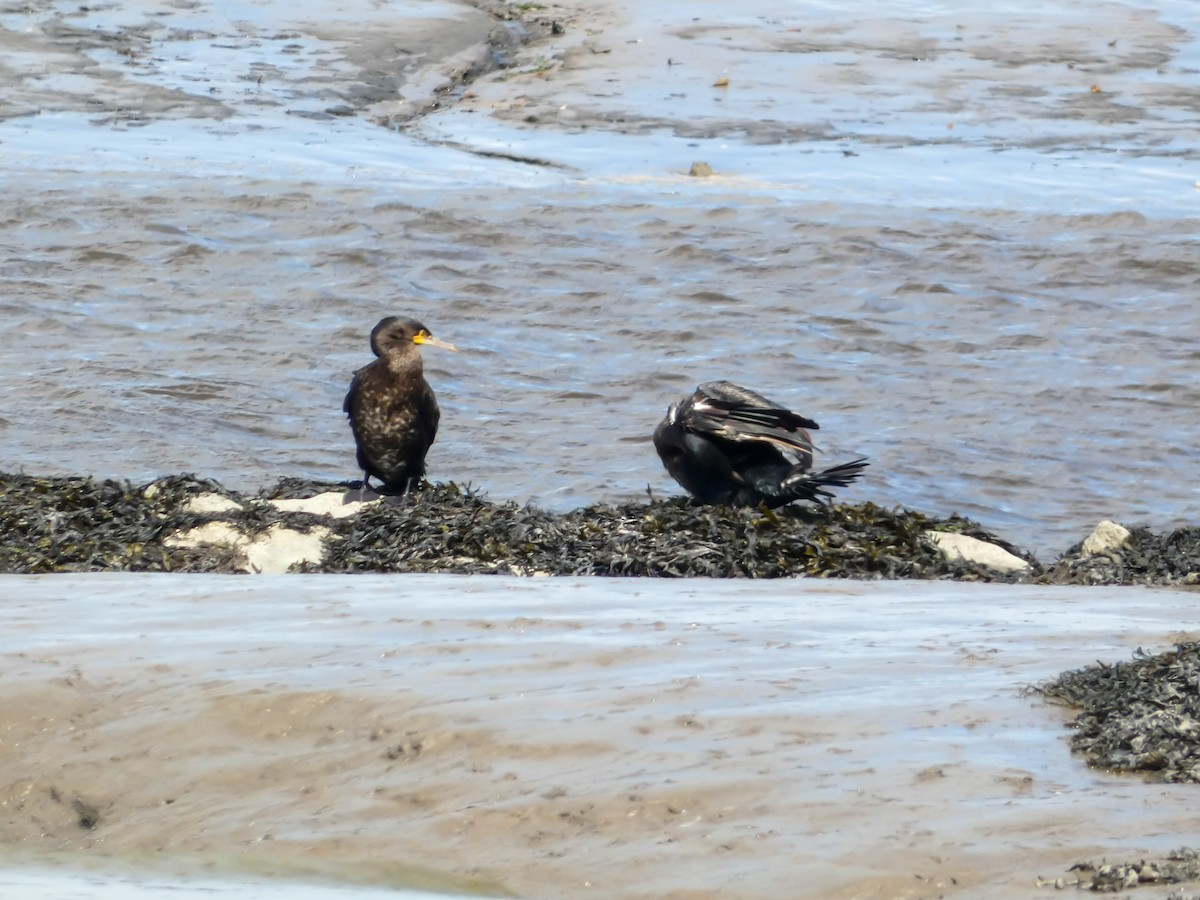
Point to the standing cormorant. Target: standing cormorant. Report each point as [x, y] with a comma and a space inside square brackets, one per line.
[727, 444]
[392, 410]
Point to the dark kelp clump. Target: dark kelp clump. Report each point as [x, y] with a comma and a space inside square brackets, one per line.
[1176, 867]
[82, 524]
[85, 525]
[91, 525]
[1138, 716]
[1169, 558]
[445, 529]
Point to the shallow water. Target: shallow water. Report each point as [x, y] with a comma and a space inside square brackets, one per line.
[926, 231]
[559, 736]
[31, 883]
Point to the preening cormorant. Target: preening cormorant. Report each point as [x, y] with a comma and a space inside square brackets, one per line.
[727, 444]
[392, 410]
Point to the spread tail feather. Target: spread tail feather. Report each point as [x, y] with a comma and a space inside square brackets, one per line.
[812, 485]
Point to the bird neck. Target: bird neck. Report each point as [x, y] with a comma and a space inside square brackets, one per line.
[405, 361]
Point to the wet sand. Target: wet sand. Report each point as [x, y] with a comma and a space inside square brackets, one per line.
[561, 737]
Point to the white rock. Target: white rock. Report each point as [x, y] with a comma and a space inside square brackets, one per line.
[211, 504]
[1104, 537]
[272, 552]
[210, 533]
[332, 503]
[275, 550]
[961, 546]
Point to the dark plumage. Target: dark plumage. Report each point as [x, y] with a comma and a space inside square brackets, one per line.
[392, 410]
[726, 444]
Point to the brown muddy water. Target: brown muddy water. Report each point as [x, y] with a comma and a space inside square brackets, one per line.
[926, 231]
[569, 737]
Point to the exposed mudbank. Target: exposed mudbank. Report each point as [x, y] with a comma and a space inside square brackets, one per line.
[126, 67]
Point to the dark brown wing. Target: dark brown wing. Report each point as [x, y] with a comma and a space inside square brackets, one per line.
[394, 421]
[726, 410]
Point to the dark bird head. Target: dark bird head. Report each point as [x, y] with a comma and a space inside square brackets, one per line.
[399, 332]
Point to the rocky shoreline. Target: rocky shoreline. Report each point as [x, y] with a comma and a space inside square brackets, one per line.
[1136, 716]
[188, 524]
[1178, 866]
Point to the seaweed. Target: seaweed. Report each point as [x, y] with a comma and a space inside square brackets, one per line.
[74, 524]
[296, 488]
[80, 524]
[1170, 558]
[1176, 867]
[1141, 715]
[447, 529]
[83, 524]
[71, 524]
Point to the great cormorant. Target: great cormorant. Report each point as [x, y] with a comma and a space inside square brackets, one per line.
[392, 410]
[727, 444]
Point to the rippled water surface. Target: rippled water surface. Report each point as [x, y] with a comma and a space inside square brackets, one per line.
[964, 242]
